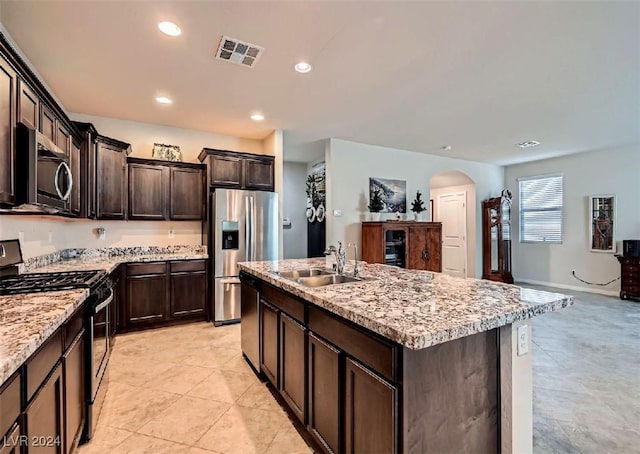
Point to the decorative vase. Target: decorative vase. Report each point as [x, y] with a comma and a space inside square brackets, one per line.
[419, 216]
[376, 217]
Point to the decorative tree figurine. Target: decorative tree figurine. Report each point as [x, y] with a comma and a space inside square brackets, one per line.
[417, 206]
[375, 204]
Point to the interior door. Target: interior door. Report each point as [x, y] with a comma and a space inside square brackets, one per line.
[452, 212]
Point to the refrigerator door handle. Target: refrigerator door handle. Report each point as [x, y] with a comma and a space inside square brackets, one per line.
[253, 220]
[247, 228]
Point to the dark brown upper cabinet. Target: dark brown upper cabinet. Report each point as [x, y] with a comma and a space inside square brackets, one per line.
[76, 162]
[28, 105]
[160, 190]
[8, 78]
[230, 169]
[47, 123]
[186, 192]
[63, 138]
[110, 179]
[146, 192]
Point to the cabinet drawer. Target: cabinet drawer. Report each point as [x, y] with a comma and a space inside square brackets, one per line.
[141, 269]
[631, 268]
[9, 403]
[42, 362]
[373, 352]
[634, 289]
[188, 265]
[73, 327]
[284, 302]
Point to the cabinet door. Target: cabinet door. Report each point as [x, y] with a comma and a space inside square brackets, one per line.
[44, 417]
[110, 184]
[258, 173]
[186, 194]
[425, 248]
[370, 412]
[188, 294]
[63, 138]
[292, 364]
[7, 136]
[11, 442]
[28, 106]
[74, 369]
[146, 192]
[47, 123]
[75, 162]
[225, 171]
[324, 393]
[146, 299]
[269, 342]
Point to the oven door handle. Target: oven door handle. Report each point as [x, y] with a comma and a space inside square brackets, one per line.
[106, 302]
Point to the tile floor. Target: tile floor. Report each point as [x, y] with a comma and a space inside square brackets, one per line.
[187, 389]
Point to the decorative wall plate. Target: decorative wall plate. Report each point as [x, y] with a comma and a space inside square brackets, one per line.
[320, 213]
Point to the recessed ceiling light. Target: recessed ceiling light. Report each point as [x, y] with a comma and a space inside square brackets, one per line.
[163, 100]
[528, 144]
[257, 117]
[302, 67]
[169, 28]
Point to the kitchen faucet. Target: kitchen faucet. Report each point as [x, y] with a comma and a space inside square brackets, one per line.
[356, 269]
[341, 256]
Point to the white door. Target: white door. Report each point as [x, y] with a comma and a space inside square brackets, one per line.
[452, 212]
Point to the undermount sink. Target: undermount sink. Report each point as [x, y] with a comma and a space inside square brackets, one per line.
[295, 274]
[320, 281]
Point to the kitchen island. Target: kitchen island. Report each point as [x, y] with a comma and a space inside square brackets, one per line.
[401, 361]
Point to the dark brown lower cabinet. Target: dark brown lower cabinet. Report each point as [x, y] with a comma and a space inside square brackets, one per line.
[324, 393]
[73, 361]
[292, 364]
[146, 299]
[370, 411]
[11, 442]
[269, 341]
[188, 293]
[44, 417]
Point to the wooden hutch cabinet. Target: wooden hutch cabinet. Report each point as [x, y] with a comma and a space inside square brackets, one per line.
[496, 238]
[407, 244]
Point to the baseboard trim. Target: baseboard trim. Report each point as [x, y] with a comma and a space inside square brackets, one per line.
[569, 287]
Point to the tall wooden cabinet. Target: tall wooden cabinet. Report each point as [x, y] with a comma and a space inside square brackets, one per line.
[496, 238]
[8, 79]
[407, 244]
[630, 281]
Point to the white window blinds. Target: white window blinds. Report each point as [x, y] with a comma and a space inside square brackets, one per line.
[541, 209]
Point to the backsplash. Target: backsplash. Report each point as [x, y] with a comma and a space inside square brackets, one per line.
[108, 252]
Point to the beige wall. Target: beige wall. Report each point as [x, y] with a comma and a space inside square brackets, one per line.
[142, 136]
[67, 233]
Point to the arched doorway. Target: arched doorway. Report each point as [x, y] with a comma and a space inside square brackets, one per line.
[453, 199]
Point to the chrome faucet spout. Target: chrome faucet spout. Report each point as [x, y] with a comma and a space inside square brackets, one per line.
[340, 256]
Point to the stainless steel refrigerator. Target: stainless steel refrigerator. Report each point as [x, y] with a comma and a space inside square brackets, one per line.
[243, 226]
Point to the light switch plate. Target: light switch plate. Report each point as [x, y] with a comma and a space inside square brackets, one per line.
[337, 213]
[523, 340]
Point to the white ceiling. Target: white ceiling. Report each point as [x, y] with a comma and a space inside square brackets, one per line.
[413, 75]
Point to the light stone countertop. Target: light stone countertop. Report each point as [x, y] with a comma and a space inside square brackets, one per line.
[416, 309]
[28, 320]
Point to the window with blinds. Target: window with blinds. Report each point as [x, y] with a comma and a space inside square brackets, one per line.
[541, 209]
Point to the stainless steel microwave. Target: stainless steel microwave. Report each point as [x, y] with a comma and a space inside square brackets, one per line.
[43, 175]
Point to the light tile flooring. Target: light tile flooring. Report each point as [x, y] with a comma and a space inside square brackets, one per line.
[187, 389]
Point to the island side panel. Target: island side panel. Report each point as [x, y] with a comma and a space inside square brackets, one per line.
[451, 396]
[516, 394]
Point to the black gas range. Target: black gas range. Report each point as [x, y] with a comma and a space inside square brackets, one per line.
[48, 282]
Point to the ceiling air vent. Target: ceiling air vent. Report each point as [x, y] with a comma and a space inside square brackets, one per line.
[238, 52]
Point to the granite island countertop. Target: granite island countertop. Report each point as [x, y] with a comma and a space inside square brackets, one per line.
[28, 320]
[416, 309]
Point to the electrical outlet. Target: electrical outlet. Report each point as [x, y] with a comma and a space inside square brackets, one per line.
[102, 233]
[21, 237]
[523, 340]
[171, 233]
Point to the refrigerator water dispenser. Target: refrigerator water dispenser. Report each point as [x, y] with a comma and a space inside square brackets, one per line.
[230, 234]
